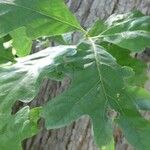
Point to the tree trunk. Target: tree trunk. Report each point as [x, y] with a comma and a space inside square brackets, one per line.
[78, 135]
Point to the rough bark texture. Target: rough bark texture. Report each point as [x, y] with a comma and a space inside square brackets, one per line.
[78, 135]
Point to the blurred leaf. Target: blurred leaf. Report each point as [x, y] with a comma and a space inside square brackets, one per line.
[130, 40]
[114, 19]
[127, 30]
[17, 127]
[21, 82]
[21, 43]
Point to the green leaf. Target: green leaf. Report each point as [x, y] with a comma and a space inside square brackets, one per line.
[92, 76]
[17, 79]
[20, 42]
[15, 128]
[41, 18]
[127, 30]
[124, 58]
[114, 19]
[130, 40]
[97, 89]
[100, 26]
[21, 82]
[129, 24]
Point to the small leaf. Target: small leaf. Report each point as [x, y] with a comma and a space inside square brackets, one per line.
[20, 42]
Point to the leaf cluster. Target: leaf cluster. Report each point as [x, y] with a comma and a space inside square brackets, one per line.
[106, 82]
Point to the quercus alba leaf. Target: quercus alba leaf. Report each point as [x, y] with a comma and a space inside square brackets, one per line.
[126, 31]
[130, 40]
[114, 19]
[27, 72]
[46, 18]
[22, 47]
[21, 82]
[97, 88]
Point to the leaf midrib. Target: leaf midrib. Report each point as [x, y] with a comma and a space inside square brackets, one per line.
[98, 69]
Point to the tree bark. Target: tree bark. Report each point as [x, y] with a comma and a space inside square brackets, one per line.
[78, 135]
